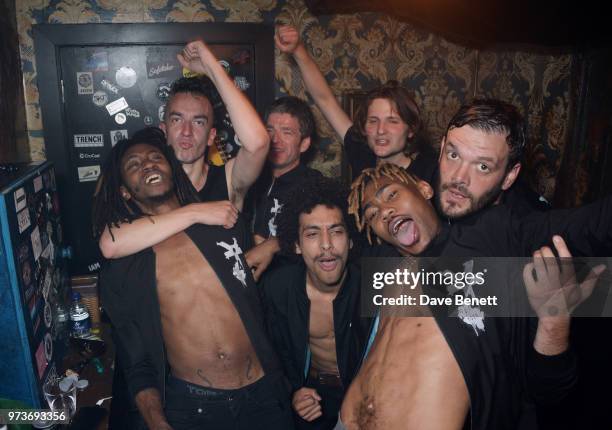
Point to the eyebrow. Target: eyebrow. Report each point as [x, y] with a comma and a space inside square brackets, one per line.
[318, 227]
[481, 158]
[175, 113]
[376, 195]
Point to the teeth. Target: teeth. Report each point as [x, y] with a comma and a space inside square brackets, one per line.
[153, 179]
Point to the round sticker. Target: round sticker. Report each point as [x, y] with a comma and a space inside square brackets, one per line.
[161, 112]
[48, 315]
[100, 98]
[85, 80]
[126, 77]
[120, 118]
[48, 347]
[148, 120]
[163, 91]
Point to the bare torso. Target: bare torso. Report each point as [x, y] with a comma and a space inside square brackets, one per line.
[409, 380]
[322, 337]
[205, 338]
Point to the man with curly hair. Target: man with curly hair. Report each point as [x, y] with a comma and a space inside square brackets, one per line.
[312, 307]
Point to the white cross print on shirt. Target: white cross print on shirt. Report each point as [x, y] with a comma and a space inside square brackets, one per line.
[233, 251]
[275, 210]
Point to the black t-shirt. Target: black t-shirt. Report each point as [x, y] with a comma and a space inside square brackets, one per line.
[273, 193]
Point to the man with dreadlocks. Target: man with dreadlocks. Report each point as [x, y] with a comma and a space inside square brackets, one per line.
[188, 125]
[187, 323]
[476, 371]
[312, 307]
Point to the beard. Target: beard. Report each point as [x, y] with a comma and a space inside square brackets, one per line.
[476, 204]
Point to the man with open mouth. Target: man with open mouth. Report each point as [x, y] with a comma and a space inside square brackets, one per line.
[312, 307]
[448, 372]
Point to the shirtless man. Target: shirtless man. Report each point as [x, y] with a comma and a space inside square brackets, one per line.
[188, 125]
[429, 373]
[188, 303]
[312, 308]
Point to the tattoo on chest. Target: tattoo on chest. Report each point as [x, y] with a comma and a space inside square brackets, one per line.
[249, 365]
[206, 381]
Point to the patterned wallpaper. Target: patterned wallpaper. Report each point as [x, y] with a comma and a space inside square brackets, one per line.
[355, 52]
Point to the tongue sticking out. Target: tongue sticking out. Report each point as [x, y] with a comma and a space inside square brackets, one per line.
[407, 233]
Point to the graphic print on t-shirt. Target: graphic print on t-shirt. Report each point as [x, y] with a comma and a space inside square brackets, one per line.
[233, 251]
[274, 211]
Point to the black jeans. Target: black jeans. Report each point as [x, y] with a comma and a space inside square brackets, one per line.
[262, 405]
[331, 401]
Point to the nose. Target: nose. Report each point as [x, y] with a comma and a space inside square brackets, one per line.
[186, 129]
[326, 243]
[461, 174]
[380, 128]
[274, 137]
[387, 213]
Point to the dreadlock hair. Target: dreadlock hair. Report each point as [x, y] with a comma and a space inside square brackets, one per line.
[109, 208]
[402, 102]
[494, 116]
[373, 174]
[305, 197]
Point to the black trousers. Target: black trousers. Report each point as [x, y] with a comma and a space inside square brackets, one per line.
[331, 401]
[262, 405]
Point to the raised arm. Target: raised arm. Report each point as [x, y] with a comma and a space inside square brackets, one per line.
[287, 40]
[130, 238]
[247, 165]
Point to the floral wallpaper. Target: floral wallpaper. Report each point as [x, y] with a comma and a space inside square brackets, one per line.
[355, 52]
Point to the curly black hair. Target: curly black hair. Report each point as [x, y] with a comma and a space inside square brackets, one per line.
[109, 208]
[304, 198]
[204, 87]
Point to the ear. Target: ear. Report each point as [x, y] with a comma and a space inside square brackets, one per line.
[211, 136]
[162, 127]
[298, 250]
[425, 189]
[305, 144]
[511, 176]
[125, 194]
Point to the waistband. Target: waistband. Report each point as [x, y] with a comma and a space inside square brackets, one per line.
[195, 390]
[322, 378]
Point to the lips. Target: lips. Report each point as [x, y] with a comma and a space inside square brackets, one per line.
[327, 263]
[405, 230]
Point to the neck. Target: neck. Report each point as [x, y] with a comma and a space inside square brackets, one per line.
[399, 159]
[277, 172]
[196, 172]
[324, 289]
[160, 208]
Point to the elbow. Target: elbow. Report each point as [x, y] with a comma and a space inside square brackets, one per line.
[262, 142]
[107, 247]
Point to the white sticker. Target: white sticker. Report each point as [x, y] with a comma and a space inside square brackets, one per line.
[20, 199]
[120, 118]
[89, 156]
[36, 245]
[116, 106]
[38, 184]
[126, 77]
[99, 98]
[88, 173]
[161, 112]
[88, 140]
[132, 112]
[23, 219]
[117, 135]
[85, 82]
[110, 87]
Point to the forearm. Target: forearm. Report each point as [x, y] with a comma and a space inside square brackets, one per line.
[150, 406]
[552, 335]
[130, 238]
[319, 90]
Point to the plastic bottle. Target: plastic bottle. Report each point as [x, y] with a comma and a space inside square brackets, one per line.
[80, 321]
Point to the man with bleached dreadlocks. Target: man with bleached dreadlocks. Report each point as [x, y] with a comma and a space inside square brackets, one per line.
[187, 321]
[462, 367]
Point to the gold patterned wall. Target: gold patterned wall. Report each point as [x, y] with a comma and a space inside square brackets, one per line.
[355, 52]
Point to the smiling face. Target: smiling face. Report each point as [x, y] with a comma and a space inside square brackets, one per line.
[400, 214]
[286, 142]
[146, 176]
[473, 170]
[386, 132]
[324, 244]
[188, 126]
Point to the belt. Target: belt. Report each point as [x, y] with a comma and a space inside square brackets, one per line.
[322, 378]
